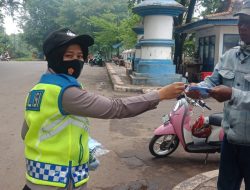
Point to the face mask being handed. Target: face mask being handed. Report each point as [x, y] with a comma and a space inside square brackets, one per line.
[72, 67]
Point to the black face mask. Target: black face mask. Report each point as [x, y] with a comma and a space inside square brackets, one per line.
[72, 67]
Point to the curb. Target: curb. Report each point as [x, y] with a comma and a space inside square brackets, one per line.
[117, 83]
[196, 181]
[119, 86]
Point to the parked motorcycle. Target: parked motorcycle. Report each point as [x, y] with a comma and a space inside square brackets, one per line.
[205, 135]
[97, 61]
[4, 58]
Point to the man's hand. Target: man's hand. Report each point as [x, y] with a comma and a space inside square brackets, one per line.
[221, 93]
[171, 91]
[194, 94]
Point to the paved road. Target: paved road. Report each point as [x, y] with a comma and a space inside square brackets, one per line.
[128, 165]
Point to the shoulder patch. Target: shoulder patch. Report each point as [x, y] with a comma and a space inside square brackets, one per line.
[34, 100]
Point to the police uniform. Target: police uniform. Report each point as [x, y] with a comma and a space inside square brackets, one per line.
[55, 130]
[43, 133]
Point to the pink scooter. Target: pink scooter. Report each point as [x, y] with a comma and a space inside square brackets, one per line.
[202, 136]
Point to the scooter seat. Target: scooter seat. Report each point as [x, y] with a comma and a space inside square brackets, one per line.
[215, 119]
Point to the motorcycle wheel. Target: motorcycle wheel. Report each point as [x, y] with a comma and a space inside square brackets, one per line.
[161, 146]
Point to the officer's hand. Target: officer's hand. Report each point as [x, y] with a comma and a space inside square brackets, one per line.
[221, 93]
[171, 91]
[194, 94]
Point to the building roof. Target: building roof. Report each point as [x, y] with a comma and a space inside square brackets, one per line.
[205, 23]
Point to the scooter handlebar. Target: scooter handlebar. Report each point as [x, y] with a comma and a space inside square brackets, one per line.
[203, 104]
[199, 102]
[180, 96]
[207, 107]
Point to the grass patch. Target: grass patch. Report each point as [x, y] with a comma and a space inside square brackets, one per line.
[25, 59]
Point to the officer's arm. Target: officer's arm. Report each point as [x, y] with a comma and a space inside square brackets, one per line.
[80, 102]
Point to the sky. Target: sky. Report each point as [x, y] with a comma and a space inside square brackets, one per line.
[10, 26]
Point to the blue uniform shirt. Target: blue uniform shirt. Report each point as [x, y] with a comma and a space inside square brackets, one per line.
[233, 70]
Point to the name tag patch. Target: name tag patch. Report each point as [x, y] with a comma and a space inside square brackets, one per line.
[34, 100]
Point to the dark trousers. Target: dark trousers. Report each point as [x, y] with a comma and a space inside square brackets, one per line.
[234, 166]
[26, 188]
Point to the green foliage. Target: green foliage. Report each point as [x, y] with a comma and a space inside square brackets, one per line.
[108, 28]
[127, 35]
[15, 45]
[46, 15]
[4, 41]
[75, 14]
[10, 6]
[189, 47]
[213, 6]
[7, 7]
[71, 15]
[19, 48]
[132, 3]
[107, 32]
[38, 20]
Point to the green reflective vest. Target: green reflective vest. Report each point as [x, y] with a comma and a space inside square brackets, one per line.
[56, 144]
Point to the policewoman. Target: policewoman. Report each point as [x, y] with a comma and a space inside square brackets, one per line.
[55, 128]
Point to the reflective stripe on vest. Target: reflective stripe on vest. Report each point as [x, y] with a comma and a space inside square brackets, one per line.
[51, 129]
[56, 173]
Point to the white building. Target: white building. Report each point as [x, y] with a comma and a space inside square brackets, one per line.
[214, 35]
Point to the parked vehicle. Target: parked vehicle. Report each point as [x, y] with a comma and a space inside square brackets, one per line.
[5, 57]
[118, 60]
[201, 136]
[97, 60]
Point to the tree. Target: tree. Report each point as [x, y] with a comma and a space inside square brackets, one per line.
[9, 7]
[19, 48]
[114, 27]
[108, 32]
[4, 41]
[39, 19]
[214, 6]
[75, 15]
[180, 38]
[127, 35]
[132, 3]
